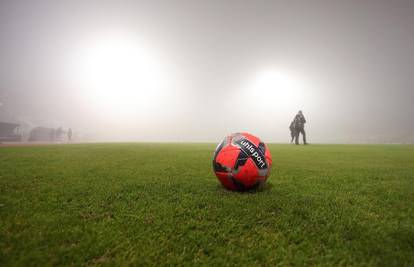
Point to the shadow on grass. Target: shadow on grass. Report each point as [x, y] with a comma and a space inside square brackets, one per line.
[266, 187]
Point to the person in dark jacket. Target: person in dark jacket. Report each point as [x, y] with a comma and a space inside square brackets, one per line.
[300, 127]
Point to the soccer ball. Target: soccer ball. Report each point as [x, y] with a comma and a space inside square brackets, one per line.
[242, 162]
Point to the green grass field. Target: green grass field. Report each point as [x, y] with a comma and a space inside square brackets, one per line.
[160, 204]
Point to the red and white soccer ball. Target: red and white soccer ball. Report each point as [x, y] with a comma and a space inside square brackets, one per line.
[242, 162]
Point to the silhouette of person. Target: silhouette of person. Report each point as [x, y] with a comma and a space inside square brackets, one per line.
[52, 135]
[70, 134]
[292, 131]
[300, 127]
[58, 134]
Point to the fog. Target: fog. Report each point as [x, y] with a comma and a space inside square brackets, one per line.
[198, 70]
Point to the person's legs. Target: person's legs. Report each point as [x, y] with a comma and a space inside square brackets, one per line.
[297, 137]
[292, 134]
[303, 135]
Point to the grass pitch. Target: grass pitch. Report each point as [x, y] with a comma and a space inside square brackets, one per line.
[160, 204]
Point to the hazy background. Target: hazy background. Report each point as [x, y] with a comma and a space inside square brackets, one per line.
[197, 70]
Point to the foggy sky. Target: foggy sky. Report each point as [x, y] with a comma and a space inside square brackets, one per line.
[354, 61]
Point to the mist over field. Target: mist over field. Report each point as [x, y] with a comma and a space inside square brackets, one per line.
[198, 70]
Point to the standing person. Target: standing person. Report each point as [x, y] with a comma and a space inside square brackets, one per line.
[300, 127]
[70, 134]
[52, 135]
[58, 134]
[292, 129]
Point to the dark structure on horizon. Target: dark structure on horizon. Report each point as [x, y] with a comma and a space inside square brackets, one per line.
[9, 132]
[43, 134]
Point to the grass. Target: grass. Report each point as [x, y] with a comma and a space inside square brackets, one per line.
[160, 204]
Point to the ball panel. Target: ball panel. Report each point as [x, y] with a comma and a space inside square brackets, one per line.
[268, 154]
[227, 157]
[247, 174]
[225, 180]
[255, 140]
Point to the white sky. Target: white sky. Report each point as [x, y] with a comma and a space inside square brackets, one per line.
[198, 70]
